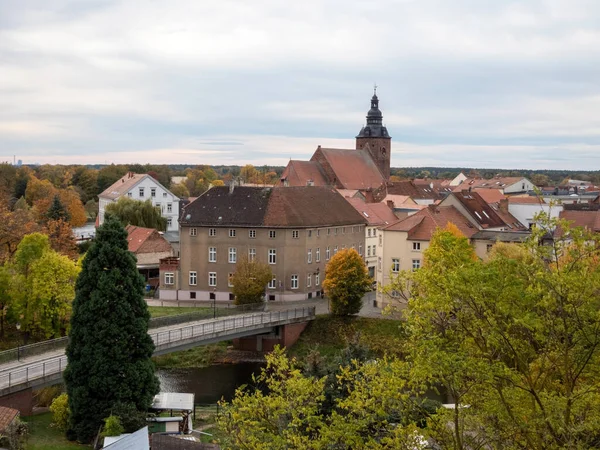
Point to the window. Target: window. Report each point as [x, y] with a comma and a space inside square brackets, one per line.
[369, 232]
[327, 254]
[212, 254]
[192, 296]
[164, 194]
[343, 230]
[272, 234]
[360, 249]
[335, 249]
[380, 240]
[251, 254]
[318, 233]
[232, 233]
[193, 278]
[336, 230]
[129, 194]
[489, 247]
[169, 221]
[395, 265]
[295, 234]
[272, 256]
[416, 246]
[252, 234]
[169, 278]
[374, 232]
[309, 233]
[273, 283]
[169, 207]
[230, 279]
[212, 232]
[193, 231]
[308, 280]
[152, 192]
[309, 256]
[317, 278]
[416, 264]
[212, 278]
[318, 254]
[368, 250]
[232, 255]
[328, 231]
[141, 192]
[294, 281]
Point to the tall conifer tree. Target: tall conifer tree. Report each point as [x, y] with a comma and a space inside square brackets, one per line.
[109, 352]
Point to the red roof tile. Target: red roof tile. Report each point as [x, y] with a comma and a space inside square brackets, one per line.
[586, 219]
[302, 173]
[353, 169]
[122, 185]
[423, 224]
[375, 213]
[412, 190]
[146, 240]
[482, 183]
[491, 195]
[7, 415]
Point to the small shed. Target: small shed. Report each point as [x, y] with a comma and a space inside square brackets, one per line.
[182, 403]
[129, 441]
[7, 417]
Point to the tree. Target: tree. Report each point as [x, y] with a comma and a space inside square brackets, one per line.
[346, 281]
[250, 280]
[61, 237]
[109, 351]
[108, 175]
[516, 337]
[91, 209]
[180, 190]
[72, 202]
[540, 179]
[136, 212]
[57, 211]
[14, 225]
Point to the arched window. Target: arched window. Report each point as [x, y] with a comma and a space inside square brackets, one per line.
[383, 152]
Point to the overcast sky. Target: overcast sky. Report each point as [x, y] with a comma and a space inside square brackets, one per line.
[478, 83]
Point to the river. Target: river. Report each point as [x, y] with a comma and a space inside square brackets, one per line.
[208, 384]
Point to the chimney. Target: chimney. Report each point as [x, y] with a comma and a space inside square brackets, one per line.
[503, 205]
[231, 186]
[390, 204]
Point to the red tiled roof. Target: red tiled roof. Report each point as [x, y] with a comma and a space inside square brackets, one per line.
[586, 219]
[146, 240]
[526, 200]
[353, 169]
[122, 185]
[491, 195]
[7, 415]
[482, 183]
[375, 213]
[412, 190]
[299, 173]
[423, 224]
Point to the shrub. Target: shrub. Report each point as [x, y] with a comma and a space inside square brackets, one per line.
[60, 411]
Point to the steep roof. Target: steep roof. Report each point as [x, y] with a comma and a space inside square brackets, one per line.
[300, 173]
[7, 415]
[353, 169]
[422, 225]
[146, 240]
[123, 185]
[530, 200]
[488, 215]
[412, 190]
[482, 183]
[490, 195]
[301, 206]
[585, 219]
[375, 213]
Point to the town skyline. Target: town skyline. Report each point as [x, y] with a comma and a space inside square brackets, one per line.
[468, 85]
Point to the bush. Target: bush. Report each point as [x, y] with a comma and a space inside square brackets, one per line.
[112, 426]
[60, 411]
[14, 435]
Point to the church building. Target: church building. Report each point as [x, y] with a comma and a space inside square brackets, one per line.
[366, 169]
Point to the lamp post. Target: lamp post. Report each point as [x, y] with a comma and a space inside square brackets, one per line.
[18, 325]
[214, 302]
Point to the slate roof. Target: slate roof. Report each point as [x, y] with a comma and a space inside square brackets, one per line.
[146, 240]
[7, 415]
[354, 169]
[301, 206]
[298, 173]
[422, 225]
[486, 214]
[586, 219]
[412, 190]
[375, 213]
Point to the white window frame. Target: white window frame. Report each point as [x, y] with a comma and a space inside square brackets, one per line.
[252, 234]
[169, 221]
[212, 232]
[232, 258]
[273, 283]
[335, 250]
[152, 192]
[272, 256]
[309, 256]
[416, 246]
[169, 278]
[295, 234]
[272, 234]
[318, 254]
[212, 279]
[230, 279]
[141, 192]
[251, 254]
[395, 265]
[212, 254]
[308, 280]
[294, 281]
[327, 253]
[232, 232]
[416, 264]
[193, 278]
[193, 231]
[169, 207]
[360, 249]
[317, 278]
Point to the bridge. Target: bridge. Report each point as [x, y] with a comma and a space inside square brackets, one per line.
[18, 378]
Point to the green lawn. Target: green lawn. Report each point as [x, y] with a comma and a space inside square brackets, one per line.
[161, 311]
[44, 437]
[201, 356]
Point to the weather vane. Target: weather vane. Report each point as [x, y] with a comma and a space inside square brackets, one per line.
[375, 88]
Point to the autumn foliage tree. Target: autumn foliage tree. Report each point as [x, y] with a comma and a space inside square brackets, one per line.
[250, 280]
[136, 212]
[346, 282]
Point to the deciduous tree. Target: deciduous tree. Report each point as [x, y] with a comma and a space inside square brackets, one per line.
[109, 352]
[346, 281]
[250, 280]
[136, 212]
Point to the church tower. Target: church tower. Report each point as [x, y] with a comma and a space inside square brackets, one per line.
[375, 139]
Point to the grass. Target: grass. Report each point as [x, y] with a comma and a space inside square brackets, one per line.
[329, 335]
[42, 436]
[162, 311]
[201, 356]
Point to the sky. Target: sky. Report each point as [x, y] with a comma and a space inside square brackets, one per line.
[461, 83]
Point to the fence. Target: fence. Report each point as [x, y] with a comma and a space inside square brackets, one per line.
[55, 365]
[26, 351]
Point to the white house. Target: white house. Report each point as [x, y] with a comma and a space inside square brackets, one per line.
[526, 208]
[142, 187]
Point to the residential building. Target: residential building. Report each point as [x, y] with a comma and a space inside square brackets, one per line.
[141, 187]
[526, 208]
[421, 194]
[377, 215]
[296, 230]
[149, 246]
[588, 219]
[508, 185]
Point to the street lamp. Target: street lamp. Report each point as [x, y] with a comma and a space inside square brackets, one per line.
[18, 325]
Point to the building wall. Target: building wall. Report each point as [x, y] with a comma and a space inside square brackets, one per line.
[395, 244]
[371, 246]
[380, 149]
[522, 186]
[524, 213]
[291, 258]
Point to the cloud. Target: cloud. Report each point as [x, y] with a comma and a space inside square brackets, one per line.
[266, 81]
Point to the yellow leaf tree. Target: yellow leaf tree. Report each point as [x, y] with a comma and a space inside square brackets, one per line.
[346, 281]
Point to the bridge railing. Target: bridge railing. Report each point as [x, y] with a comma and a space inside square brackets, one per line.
[39, 348]
[56, 365]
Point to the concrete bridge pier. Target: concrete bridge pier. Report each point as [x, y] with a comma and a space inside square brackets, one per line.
[283, 335]
[22, 400]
